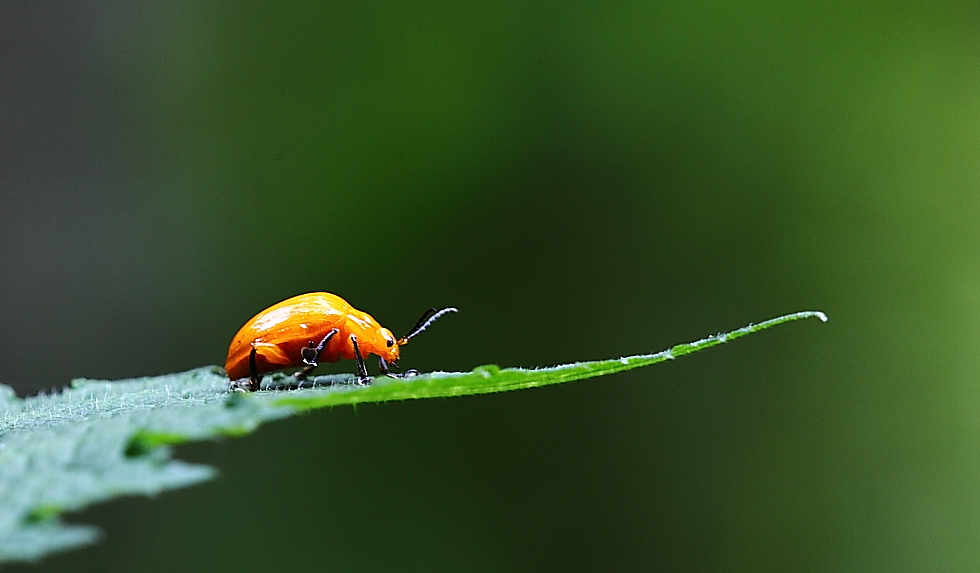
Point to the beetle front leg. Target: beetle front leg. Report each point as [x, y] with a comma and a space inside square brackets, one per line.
[311, 355]
[383, 366]
[362, 374]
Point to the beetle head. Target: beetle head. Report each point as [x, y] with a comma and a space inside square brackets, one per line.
[390, 350]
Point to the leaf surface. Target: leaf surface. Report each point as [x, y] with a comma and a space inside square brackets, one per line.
[98, 439]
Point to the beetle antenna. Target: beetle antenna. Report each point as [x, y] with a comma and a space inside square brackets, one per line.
[418, 323]
[428, 317]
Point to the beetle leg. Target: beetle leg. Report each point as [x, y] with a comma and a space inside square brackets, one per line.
[384, 367]
[323, 344]
[362, 375]
[250, 384]
[311, 355]
[253, 371]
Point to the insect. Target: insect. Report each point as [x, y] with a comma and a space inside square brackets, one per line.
[302, 331]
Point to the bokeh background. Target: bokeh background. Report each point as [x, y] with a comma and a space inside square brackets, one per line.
[583, 180]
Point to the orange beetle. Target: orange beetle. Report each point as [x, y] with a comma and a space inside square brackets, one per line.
[311, 328]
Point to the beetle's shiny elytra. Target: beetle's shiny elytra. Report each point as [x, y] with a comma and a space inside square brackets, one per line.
[305, 330]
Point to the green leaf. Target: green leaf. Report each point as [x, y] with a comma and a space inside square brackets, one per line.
[98, 440]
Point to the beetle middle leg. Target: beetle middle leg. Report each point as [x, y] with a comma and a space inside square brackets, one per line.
[311, 355]
[362, 374]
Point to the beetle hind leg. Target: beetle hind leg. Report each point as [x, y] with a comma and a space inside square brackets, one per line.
[250, 384]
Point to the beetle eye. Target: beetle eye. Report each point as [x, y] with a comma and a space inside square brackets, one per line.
[390, 343]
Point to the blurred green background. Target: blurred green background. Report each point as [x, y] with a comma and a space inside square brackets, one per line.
[583, 180]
